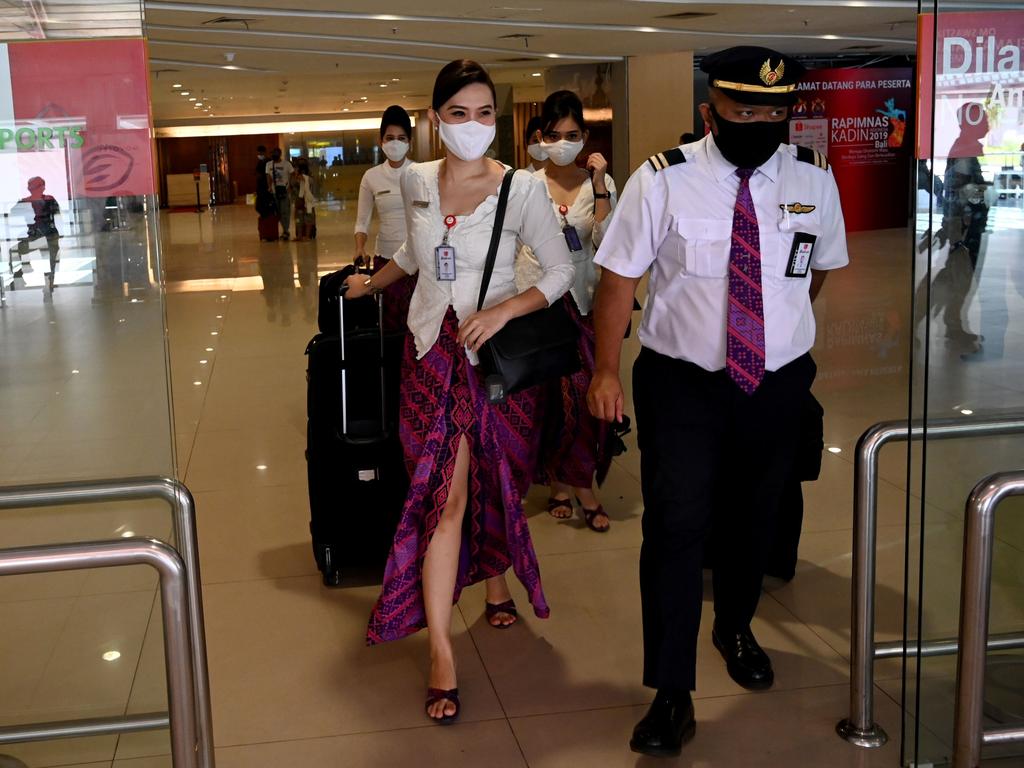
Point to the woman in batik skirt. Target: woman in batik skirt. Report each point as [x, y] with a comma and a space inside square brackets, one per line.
[575, 445]
[471, 461]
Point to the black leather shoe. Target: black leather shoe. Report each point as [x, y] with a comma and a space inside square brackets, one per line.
[667, 725]
[748, 665]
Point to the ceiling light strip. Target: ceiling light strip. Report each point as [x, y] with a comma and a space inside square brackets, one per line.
[382, 41]
[202, 65]
[276, 126]
[294, 13]
[303, 51]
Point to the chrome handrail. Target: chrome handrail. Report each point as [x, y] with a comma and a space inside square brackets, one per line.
[975, 594]
[860, 727]
[184, 516]
[174, 601]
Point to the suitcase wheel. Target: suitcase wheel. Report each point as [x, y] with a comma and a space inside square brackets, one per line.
[332, 576]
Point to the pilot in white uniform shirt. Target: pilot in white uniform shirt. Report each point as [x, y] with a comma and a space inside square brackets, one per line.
[736, 232]
[677, 223]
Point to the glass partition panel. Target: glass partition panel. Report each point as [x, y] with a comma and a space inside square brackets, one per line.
[84, 377]
[969, 354]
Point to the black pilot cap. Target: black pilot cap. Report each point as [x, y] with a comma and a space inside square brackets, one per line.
[753, 75]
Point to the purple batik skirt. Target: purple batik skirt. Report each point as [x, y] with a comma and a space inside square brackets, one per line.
[574, 443]
[443, 400]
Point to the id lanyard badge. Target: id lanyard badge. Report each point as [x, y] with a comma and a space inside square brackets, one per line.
[572, 237]
[800, 256]
[444, 254]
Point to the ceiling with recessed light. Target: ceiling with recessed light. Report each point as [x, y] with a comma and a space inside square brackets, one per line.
[253, 58]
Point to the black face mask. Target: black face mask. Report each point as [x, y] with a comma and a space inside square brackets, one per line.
[749, 145]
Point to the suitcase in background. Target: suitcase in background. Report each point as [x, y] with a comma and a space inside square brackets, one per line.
[355, 465]
[270, 227]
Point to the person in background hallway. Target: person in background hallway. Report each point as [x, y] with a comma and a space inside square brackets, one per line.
[471, 459]
[279, 174]
[42, 224]
[575, 443]
[964, 219]
[266, 205]
[534, 148]
[687, 138]
[305, 202]
[381, 189]
[737, 231]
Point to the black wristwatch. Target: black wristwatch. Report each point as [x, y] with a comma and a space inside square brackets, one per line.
[602, 195]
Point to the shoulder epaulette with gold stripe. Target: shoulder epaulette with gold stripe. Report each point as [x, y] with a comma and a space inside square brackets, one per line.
[663, 160]
[812, 156]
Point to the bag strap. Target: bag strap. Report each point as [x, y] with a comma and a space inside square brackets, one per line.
[492, 249]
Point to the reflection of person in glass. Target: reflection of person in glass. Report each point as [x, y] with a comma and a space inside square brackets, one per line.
[964, 218]
[42, 224]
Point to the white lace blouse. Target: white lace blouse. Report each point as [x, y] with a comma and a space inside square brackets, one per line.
[529, 217]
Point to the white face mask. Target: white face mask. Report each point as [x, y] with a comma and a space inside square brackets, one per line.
[395, 150]
[563, 152]
[537, 152]
[467, 141]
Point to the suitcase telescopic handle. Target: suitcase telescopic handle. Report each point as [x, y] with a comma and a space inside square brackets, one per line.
[342, 290]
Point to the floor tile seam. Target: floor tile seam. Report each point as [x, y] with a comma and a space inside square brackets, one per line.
[312, 575]
[53, 649]
[808, 627]
[844, 655]
[217, 582]
[76, 601]
[572, 553]
[75, 597]
[483, 665]
[697, 698]
[343, 734]
[138, 666]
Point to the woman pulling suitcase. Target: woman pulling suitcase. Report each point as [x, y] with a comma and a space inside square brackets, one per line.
[471, 459]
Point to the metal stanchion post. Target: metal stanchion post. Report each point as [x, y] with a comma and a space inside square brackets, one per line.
[975, 593]
[173, 593]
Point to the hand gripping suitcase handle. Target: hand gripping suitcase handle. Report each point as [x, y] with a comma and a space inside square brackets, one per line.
[342, 290]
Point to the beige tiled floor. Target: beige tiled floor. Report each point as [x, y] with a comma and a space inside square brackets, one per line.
[293, 682]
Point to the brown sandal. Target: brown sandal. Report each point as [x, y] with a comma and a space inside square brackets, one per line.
[590, 514]
[435, 695]
[509, 606]
[554, 504]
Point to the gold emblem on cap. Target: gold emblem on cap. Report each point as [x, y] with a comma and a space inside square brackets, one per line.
[797, 207]
[771, 76]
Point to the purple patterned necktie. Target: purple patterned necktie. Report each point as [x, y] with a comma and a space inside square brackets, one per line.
[745, 338]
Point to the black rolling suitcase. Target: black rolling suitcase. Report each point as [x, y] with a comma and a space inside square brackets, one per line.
[356, 470]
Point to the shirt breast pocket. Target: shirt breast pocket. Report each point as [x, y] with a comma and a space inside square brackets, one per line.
[704, 247]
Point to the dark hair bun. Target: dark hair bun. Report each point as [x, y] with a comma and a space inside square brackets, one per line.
[457, 75]
[398, 117]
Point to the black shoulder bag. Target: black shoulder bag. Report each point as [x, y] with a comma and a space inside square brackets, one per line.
[531, 349]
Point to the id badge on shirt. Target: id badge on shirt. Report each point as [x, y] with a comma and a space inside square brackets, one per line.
[444, 261]
[800, 256]
[572, 238]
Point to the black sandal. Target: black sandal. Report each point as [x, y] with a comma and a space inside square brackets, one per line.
[554, 504]
[509, 606]
[590, 514]
[435, 695]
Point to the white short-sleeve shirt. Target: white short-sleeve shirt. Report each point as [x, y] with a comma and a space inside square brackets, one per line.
[381, 188]
[677, 223]
[580, 215]
[528, 217]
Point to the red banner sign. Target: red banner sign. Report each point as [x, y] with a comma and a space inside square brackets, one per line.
[80, 108]
[970, 75]
[859, 119]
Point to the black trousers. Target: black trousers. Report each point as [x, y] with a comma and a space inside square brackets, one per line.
[710, 457]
